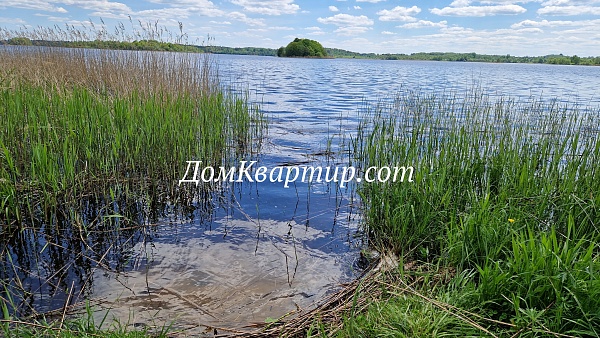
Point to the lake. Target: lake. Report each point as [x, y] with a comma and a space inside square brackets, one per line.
[253, 250]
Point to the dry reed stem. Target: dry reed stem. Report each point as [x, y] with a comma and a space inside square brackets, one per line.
[109, 71]
[356, 296]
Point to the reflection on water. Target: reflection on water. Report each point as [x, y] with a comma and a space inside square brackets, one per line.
[198, 282]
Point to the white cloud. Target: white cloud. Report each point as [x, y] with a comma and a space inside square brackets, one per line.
[245, 19]
[313, 28]
[388, 33]
[46, 6]
[12, 21]
[556, 24]
[399, 13]
[347, 20]
[177, 10]
[202, 7]
[357, 7]
[186, 3]
[333, 9]
[53, 18]
[98, 5]
[348, 24]
[424, 24]
[555, 2]
[543, 23]
[530, 30]
[371, 1]
[505, 2]
[162, 14]
[521, 41]
[569, 2]
[268, 7]
[479, 11]
[460, 3]
[569, 10]
[282, 28]
[352, 30]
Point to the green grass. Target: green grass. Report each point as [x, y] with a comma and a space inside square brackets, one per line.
[507, 193]
[404, 316]
[72, 329]
[82, 327]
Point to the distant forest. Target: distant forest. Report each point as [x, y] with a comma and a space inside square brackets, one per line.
[331, 52]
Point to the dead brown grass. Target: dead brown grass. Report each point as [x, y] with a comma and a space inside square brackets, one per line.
[109, 71]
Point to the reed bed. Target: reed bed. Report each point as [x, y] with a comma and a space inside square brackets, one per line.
[92, 146]
[506, 192]
[75, 118]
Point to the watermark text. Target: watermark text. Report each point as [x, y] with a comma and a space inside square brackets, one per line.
[248, 172]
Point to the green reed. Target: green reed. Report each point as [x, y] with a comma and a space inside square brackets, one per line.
[505, 191]
[68, 136]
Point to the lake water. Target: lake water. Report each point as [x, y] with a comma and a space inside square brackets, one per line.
[312, 107]
[261, 250]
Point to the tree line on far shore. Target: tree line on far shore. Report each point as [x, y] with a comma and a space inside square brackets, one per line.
[307, 48]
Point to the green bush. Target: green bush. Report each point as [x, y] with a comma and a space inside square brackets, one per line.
[20, 41]
[303, 48]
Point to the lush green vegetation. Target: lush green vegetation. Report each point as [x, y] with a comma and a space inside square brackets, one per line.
[302, 48]
[239, 50]
[474, 57]
[140, 36]
[434, 56]
[506, 196]
[92, 146]
[506, 200]
[19, 41]
[470, 57]
[69, 122]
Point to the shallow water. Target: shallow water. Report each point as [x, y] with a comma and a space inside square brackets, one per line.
[230, 284]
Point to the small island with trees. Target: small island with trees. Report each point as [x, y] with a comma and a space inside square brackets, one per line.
[304, 48]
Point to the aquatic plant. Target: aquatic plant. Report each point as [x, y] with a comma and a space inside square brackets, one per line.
[505, 192]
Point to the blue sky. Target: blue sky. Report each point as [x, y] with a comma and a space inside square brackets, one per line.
[537, 27]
